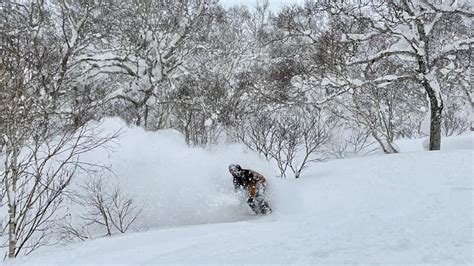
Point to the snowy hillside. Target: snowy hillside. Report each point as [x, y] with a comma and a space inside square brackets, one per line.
[412, 207]
[127, 128]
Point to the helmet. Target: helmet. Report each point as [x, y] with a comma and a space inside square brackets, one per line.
[233, 168]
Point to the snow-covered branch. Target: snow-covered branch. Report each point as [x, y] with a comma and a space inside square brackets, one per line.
[452, 8]
[453, 48]
[382, 55]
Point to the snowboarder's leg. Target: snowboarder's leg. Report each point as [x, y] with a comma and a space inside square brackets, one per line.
[260, 206]
[253, 205]
[260, 203]
[263, 207]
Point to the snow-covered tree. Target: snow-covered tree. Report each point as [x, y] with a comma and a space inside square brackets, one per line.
[43, 116]
[145, 48]
[293, 138]
[428, 38]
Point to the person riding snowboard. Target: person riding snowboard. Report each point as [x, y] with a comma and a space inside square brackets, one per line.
[255, 185]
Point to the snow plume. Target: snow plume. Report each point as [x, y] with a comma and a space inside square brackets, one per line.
[177, 184]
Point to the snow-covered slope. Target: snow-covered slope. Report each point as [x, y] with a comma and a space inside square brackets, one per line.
[413, 207]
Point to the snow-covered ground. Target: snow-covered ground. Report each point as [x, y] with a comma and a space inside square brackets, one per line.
[412, 207]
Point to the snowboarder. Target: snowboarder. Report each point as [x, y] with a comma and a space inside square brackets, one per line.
[255, 185]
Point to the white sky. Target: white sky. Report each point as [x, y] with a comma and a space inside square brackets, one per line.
[274, 4]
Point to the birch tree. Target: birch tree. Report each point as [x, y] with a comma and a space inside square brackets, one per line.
[43, 126]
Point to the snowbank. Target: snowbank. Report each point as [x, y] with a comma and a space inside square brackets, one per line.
[447, 143]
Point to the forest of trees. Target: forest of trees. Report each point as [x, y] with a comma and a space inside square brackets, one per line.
[325, 79]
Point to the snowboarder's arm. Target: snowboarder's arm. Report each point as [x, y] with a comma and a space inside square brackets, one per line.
[259, 178]
[236, 184]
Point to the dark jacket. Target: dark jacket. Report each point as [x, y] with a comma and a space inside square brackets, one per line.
[249, 180]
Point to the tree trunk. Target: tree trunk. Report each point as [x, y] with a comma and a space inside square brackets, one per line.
[472, 115]
[11, 232]
[435, 128]
[436, 108]
[469, 95]
[12, 204]
[138, 118]
[297, 174]
[389, 148]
